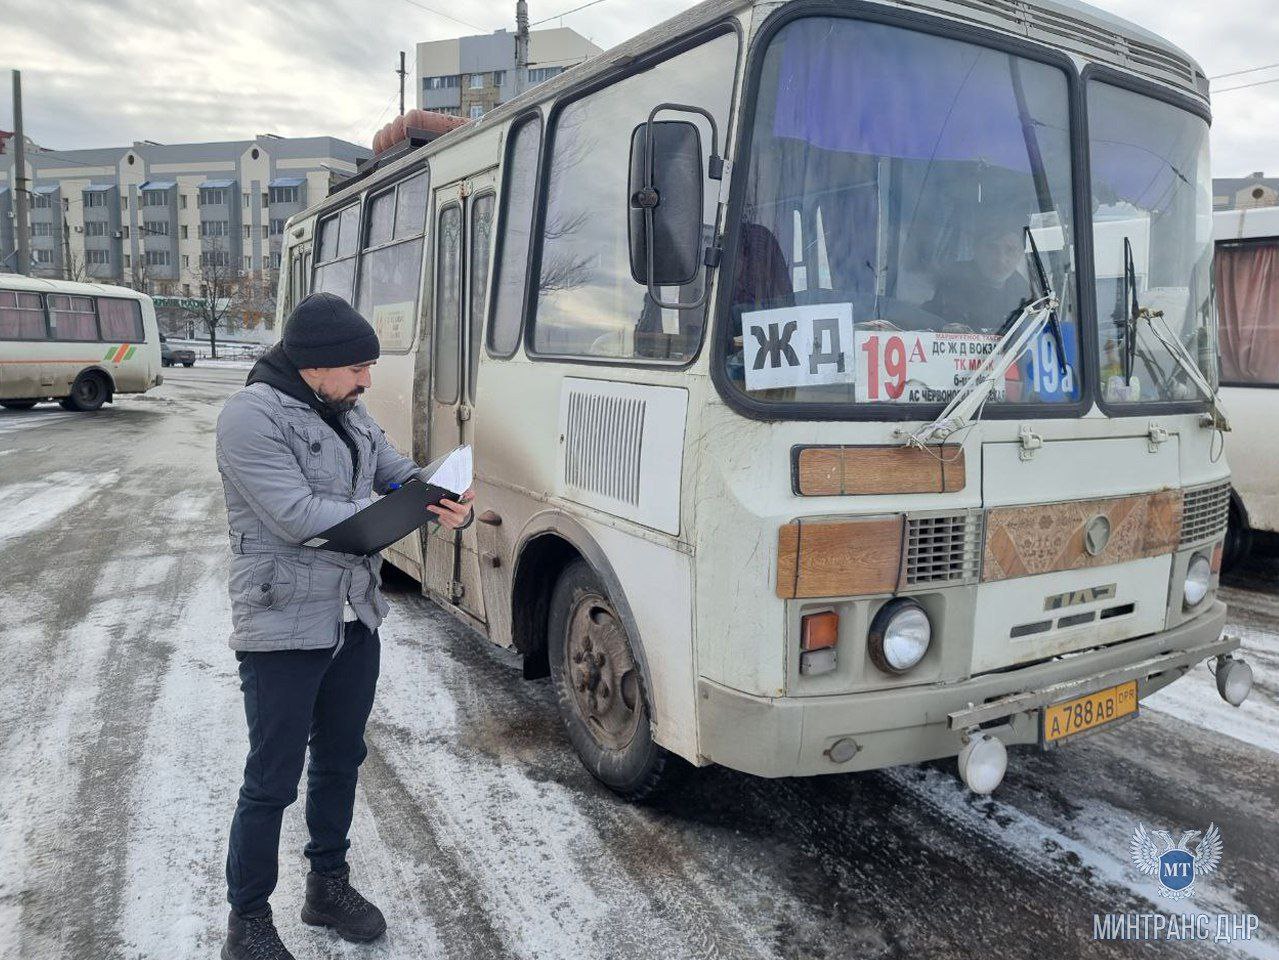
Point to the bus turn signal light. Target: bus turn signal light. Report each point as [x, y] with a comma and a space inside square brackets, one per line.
[819, 630]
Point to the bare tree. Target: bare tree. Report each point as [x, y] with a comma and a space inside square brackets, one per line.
[219, 283]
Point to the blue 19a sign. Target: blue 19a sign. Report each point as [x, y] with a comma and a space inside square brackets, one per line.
[798, 346]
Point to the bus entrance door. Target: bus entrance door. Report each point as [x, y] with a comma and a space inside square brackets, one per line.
[463, 242]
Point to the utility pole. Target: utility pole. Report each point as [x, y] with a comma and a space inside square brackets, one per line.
[403, 73]
[21, 225]
[521, 46]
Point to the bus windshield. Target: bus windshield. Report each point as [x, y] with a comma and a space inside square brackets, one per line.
[902, 193]
[1152, 228]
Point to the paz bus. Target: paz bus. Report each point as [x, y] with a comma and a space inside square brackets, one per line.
[77, 343]
[840, 377]
[1247, 281]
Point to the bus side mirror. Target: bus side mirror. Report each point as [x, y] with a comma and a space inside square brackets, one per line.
[665, 191]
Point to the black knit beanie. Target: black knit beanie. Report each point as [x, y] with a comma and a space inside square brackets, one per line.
[326, 331]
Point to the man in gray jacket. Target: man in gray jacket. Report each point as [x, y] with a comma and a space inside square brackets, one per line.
[298, 453]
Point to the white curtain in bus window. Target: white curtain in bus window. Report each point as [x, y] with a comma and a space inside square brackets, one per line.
[588, 303]
[1152, 241]
[72, 318]
[21, 316]
[892, 178]
[1248, 311]
[481, 241]
[448, 304]
[121, 320]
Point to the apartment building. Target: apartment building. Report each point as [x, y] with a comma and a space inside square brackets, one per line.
[151, 215]
[468, 76]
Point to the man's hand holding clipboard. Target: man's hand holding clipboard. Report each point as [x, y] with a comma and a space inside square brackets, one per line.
[453, 513]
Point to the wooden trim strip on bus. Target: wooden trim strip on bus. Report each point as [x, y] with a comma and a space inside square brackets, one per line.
[819, 471]
[839, 558]
[1049, 537]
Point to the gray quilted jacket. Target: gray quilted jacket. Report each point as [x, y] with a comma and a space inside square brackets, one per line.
[288, 476]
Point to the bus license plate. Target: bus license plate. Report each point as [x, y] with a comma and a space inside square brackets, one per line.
[1063, 720]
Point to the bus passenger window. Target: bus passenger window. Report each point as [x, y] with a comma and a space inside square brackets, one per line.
[72, 318]
[448, 304]
[519, 190]
[1248, 308]
[339, 242]
[391, 265]
[588, 303]
[121, 320]
[21, 316]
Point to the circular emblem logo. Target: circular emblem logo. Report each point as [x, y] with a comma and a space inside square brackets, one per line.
[1096, 535]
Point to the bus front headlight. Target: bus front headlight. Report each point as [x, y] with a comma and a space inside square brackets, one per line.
[899, 636]
[1198, 580]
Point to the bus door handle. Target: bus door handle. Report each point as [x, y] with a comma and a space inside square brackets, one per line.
[490, 518]
[463, 413]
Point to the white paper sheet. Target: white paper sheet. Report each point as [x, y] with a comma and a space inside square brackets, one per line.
[454, 471]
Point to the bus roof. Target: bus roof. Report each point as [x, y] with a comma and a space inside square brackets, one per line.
[1064, 24]
[1250, 224]
[15, 281]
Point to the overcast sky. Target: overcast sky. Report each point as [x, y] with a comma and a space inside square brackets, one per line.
[109, 72]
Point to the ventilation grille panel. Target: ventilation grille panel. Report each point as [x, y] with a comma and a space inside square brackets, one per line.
[603, 442]
[943, 549]
[1204, 512]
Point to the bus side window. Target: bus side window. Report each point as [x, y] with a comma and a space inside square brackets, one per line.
[519, 191]
[120, 320]
[391, 265]
[339, 243]
[21, 316]
[588, 303]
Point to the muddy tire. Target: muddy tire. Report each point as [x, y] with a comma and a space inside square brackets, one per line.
[600, 688]
[88, 393]
[1238, 539]
[18, 404]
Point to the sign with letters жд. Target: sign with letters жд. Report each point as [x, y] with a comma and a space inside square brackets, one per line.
[798, 346]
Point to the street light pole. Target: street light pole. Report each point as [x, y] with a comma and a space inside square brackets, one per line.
[21, 195]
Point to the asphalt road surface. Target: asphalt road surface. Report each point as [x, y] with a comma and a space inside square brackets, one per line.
[476, 829]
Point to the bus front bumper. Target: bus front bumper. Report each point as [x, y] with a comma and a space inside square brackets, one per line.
[793, 736]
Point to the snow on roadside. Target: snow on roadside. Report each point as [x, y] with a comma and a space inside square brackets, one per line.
[1094, 852]
[1194, 698]
[27, 507]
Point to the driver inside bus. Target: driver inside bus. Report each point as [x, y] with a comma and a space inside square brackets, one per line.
[989, 290]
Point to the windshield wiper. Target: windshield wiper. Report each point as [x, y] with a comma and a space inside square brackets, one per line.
[1134, 314]
[963, 410]
[1046, 290]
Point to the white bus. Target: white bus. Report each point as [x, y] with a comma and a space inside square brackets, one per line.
[708, 307]
[1247, 274]
[77, 343]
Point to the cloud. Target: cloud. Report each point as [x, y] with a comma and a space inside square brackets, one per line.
[108, 72]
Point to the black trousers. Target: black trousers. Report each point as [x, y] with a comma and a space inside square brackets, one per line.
[294, 699]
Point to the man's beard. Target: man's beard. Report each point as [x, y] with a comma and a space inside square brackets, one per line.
[343, 405]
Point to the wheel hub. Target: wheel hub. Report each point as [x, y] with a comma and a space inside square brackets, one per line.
[602, 672]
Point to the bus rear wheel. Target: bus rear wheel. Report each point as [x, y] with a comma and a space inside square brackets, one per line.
[88, 393]
[600, 688]
[18, 404]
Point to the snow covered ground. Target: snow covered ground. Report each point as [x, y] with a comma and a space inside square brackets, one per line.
[477, 831]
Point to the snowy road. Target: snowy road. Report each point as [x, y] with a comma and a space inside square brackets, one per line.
[476, 830]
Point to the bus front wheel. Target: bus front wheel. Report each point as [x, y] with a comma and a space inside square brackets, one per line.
[600, 688]
[88, 393]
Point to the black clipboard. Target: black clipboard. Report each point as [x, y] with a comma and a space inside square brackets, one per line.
[383, 522]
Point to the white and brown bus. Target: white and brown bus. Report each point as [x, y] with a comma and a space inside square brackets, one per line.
[808, 353]
[80, 344]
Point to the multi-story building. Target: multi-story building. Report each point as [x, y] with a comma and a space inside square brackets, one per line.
[1243, 193]
[159, 216]
[468, 76]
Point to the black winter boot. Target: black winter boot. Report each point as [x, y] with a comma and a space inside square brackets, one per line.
[253, 938]
[331, 901]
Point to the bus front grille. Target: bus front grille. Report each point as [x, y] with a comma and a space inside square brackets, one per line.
[943, 549]
[1204, 512]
